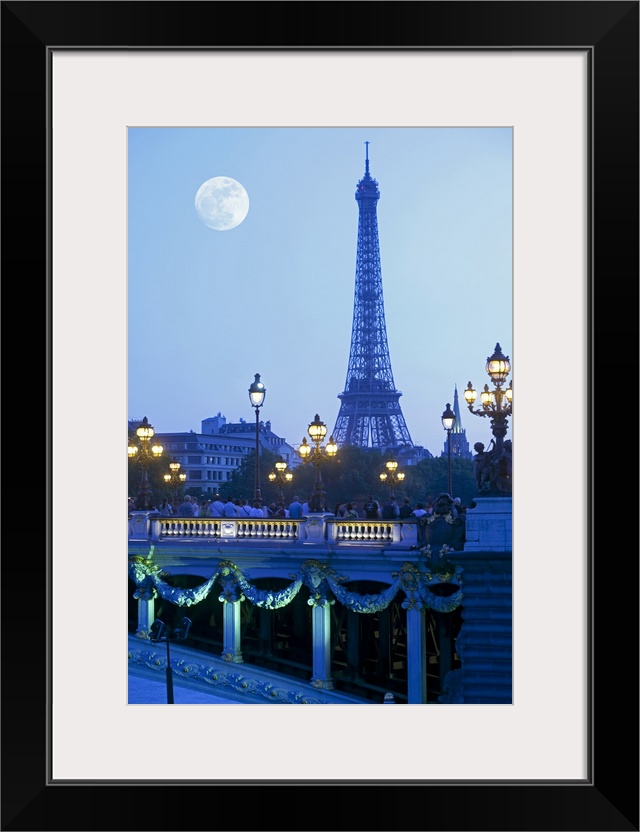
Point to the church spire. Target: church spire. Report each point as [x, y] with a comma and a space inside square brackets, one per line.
[457, 428]
[459, 442]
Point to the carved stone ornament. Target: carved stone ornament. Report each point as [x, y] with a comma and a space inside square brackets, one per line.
[320, 579]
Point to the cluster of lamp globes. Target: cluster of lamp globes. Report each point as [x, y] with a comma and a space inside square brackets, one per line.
[392, 474]
[496, 402]
[281, 474]
[144, 452]
[144, 433]
[317, 431]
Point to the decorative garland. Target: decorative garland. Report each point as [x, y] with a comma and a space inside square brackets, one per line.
[364, 603]
[319, 578]
[237, 588]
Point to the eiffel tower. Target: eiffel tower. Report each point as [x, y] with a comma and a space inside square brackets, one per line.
[370, 414]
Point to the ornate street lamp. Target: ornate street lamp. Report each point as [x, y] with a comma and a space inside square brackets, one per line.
[317, 456]
[280, 476]
[496, 403]
[143, 453]
[174, 478]
[391, 476]
[448, 423]
[257, 392]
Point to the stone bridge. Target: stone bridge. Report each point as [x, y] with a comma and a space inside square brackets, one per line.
[324, 558]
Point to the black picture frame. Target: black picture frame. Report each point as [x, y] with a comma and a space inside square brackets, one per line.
[608, 799]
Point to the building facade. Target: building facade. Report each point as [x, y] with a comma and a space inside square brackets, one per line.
[210, 457]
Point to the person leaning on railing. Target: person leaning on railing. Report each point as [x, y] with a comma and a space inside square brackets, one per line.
[186, 507]
[295, 509]
[371, 509]
[256, 510]
[390, 509]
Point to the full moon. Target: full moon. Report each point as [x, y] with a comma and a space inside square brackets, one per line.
[222, 203]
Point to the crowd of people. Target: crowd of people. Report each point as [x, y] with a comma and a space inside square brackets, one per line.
[369, 509]
[190, 506]
[389, 509]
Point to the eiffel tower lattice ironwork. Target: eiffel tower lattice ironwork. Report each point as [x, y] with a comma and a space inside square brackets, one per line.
[370, 414]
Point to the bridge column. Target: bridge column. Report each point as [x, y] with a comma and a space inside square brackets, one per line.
[141, 573]
[321, 629]
[146, 615]
[231, 651]
[416, 656]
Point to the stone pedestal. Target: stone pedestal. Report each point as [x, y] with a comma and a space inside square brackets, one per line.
[315, 528]
[139, 525]
[489, 526]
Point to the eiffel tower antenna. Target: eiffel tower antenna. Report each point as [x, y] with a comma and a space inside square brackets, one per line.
[370, 414]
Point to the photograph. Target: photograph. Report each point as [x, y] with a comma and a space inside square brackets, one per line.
[391, 486]
[308, 255]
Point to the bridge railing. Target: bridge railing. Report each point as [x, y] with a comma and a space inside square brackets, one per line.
[319, 528]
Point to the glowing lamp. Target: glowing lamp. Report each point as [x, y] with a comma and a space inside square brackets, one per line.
[257, 392]
[498, 366]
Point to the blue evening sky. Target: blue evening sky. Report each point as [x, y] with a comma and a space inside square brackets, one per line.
[208, 309]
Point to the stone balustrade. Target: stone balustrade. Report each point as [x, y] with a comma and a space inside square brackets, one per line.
[314, 528]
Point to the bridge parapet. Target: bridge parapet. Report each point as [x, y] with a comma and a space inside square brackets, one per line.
[315, 528]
